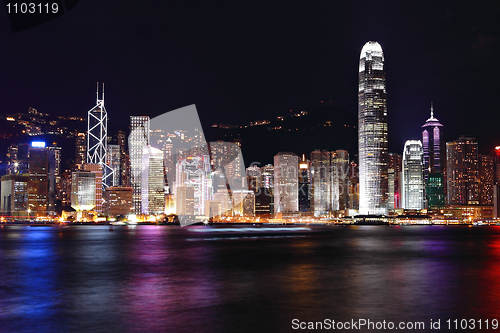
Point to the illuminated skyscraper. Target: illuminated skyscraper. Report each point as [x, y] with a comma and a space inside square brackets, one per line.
[286, 182]
[462, 172]
[113, 162]
[138, 139]
[97, 169]
[339, 176]
[413, 175]
[83, 190]
[97, 138]
[432, 141]
[320, 182]
[486, 175]
[153, 181]
[372, 131]
[38, 178]
[80, 148]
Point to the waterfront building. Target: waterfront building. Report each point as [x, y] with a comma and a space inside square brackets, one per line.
[462, 176]
[413, 175]
[195, 172]
[124, 160]
[434, 189]
[97, 170]
[486, 180]
[138, 139]
[113, 161]
[394, 180]
[118, 200]
[339, 180]
[286, 196]
[432, 142]
[304, 185]
[153, 181]
[320, 182]
[83, 190]
[38, 168]
[14, 195]
[372, 131]
[54, 177]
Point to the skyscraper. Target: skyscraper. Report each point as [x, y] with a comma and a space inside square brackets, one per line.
[113, 161]
[432, 141]
[462, 172]
[372, 131]
[97, 138]
[153, 182]
[138, 139]
[320, 182]
[413, 175]
[286, 182]
[339, 174]
[38, 178]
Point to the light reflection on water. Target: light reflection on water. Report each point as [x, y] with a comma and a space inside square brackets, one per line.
[163, 278]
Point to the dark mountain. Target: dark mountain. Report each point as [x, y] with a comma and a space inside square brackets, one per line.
[325, 127]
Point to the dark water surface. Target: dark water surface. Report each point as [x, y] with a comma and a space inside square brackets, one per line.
[206, 279]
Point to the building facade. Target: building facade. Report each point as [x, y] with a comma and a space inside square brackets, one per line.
[413, 175]
[138, 139]
[286, 182]
[372, 131]
[462, 176]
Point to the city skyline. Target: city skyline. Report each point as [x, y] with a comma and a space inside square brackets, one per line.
[235, 73]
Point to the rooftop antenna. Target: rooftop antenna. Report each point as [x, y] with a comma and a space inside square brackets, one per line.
[432, 110]
[103, 93]
[97, 93]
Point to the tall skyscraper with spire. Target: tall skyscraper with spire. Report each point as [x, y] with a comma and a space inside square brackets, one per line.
[432, 141]
[372, 131]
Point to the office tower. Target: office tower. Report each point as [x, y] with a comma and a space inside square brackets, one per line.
[138, 139]
[113, 161]
[339, 180]
[124, 160]
[118, 201]
[304, 185]
[80, 148]
[320, 182]
[54, 177]
[286, 182]
[17, 159]
[244, 202]
[372, 131]
[353, 186]
[462, 175]
[267, 172]
[97, 169]
[38, 168]
[434, 191]
[432, 142]
[168, 153]
[97, 138]
[14, 195]
[265, 200]
[253, 178]
[194, 172]
[184, 200]
[486, 175]
[394, 181]
[413, 175]
[153, 181]
[83, 190]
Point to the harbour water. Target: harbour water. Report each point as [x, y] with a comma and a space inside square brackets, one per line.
[222, 279]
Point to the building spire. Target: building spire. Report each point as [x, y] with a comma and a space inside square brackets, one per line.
[432, 110]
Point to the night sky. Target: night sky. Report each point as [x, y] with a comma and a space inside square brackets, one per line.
[240, 62]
